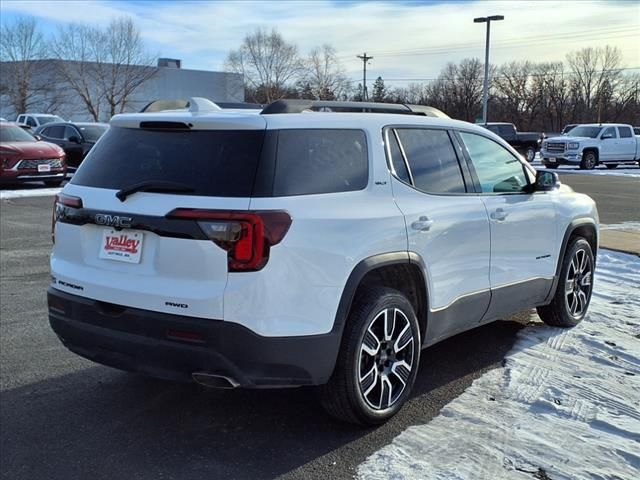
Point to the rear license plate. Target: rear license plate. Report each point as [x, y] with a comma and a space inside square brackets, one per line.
[45, 167]
[552, 160]
[123, 245]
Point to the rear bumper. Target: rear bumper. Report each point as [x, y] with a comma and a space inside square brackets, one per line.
[145, 342]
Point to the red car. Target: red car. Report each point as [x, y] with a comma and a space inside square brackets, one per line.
[25, 159]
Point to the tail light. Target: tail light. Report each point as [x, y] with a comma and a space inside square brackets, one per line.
[246, 236]
[62, 201]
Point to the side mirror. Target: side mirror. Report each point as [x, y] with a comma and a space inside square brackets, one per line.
[74, 139]
[606, 136]
[546, 181]
[38, 137]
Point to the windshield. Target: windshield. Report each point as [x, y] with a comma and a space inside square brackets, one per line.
[53, 118]
[584, 131]
[11, 133]
[92, 133]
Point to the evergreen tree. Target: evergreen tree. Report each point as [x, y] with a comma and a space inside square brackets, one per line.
[379, 90]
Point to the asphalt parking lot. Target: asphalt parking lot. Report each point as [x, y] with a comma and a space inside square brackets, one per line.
[64, 417]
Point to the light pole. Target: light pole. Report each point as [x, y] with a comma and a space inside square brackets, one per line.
[485, 90]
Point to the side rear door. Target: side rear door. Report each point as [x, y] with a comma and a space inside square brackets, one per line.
[627, 143]
[447, 225]
[524, 246]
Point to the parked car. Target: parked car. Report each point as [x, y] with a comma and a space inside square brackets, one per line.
[527, 143]
[636, 131]
[25, 159]
[589, 145]
[35, 120]
[77, 139]
[568, 128]
[339, 244]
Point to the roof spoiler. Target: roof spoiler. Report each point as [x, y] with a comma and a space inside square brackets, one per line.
[194, 105]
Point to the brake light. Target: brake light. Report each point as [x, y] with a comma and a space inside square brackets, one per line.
[247, 236]
[60, 202]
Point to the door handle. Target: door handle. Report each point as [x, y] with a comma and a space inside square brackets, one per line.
[423, 224]
[499, 215]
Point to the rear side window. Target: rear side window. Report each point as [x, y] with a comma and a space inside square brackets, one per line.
[320, 161]
[625, 132]
[432, 160]
[213, 162]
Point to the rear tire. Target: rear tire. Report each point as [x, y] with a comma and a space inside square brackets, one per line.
[573, 293]
[378, 359]
[611, 166]
[589, 161]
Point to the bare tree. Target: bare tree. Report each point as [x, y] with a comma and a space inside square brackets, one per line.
[122, 62]
[267, 63]
[324, 75]
[515, 91]
[103, 66]
[595, 72]
[24, 81]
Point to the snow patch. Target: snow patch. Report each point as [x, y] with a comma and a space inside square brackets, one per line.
[566, 404]
[624, 226]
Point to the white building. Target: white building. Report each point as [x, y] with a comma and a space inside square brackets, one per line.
[51, 93]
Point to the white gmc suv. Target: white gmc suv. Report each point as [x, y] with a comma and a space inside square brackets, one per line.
[315, 243]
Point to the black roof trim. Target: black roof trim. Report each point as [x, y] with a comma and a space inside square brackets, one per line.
[298, 106]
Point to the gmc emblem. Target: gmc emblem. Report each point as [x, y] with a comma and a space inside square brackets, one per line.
[113, 220]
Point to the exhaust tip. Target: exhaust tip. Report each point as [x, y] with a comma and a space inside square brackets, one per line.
[214, 381]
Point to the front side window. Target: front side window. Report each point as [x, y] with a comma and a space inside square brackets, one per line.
[432, 160]
[497, 169]
[609, 133]
[71, 132]
[31, 122]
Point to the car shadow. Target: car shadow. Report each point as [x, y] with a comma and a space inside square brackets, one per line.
[101, 423]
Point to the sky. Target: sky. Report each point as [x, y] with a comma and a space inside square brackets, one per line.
[409, 40]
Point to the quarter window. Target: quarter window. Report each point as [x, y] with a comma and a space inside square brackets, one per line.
[320, 161]
[432, 160]
[497, 169]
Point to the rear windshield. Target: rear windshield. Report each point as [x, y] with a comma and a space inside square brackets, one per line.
[218, 163]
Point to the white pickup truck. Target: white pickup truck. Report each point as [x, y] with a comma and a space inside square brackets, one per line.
[592, 144]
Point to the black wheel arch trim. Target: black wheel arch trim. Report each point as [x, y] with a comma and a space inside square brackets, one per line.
[573, 226]
[362, 269]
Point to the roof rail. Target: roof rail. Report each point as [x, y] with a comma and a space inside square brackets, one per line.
[299, 106]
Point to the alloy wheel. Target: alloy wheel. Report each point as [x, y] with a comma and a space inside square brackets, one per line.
[386, 358]
[578, 283]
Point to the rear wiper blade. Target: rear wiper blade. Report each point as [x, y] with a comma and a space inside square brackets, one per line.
[153, 186]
